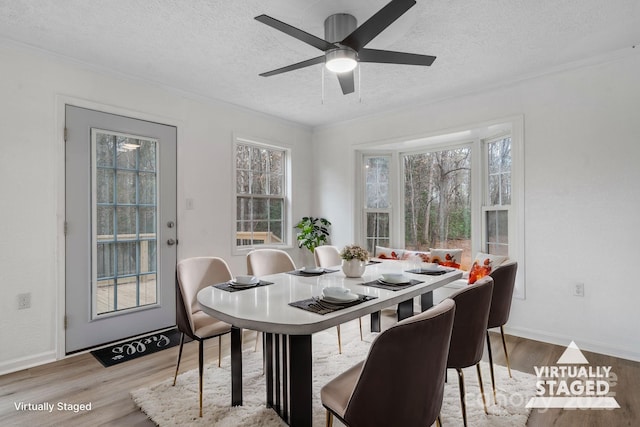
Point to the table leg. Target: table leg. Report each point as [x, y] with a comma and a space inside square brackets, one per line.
[375, 321]
[405, 309]
[300, 380]
[236, 366]
[426, 301]
[268, 367]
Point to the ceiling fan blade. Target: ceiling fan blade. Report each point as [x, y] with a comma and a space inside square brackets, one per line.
[346, 82]
[377, 23]
[392, 57]
[307, 63]
[296, 33]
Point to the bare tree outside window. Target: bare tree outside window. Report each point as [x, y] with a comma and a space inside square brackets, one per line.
[260, 195]
[438, 200]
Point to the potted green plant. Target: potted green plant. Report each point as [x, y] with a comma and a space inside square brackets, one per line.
[313, 232]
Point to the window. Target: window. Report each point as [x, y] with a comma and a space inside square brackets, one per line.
[437, 200]
[461, 190]
[377, 205]
[261, 194]
[498, 195]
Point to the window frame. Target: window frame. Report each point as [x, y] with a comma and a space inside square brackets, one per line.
[285, 197]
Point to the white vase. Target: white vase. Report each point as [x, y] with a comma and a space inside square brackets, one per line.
[353, 267]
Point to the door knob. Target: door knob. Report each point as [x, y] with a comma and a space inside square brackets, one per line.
[171, 242]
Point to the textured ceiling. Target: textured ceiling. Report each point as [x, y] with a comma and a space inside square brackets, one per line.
[215, 49]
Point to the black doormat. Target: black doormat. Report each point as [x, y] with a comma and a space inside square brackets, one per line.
[137, 347]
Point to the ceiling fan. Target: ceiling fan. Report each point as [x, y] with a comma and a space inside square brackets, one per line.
[344, 43]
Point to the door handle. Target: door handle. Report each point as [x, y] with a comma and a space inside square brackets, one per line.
[172, 242]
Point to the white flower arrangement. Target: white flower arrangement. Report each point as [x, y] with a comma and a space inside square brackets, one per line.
[350, 252]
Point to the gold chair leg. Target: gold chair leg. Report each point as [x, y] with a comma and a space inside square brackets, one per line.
[200, 369]
[506, 355]
[484, 400]
[438, 422]
[255, 347]
[462, 392]
[339, 340]
[219, 349]
[493, 380]
[329, 418]
[360, 320]
[179, 357]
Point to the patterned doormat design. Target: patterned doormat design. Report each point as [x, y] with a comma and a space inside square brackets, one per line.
[138, 347]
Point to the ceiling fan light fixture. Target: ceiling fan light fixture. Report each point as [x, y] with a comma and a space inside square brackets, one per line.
[341, 60]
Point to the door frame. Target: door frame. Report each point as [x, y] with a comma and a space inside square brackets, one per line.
[60, 191]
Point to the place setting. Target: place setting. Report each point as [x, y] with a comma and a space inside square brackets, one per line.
[333, 298]
[393, 282]
[240, 283]
[311, 271]
[430, 269]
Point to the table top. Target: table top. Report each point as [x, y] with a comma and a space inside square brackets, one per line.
[267, 308]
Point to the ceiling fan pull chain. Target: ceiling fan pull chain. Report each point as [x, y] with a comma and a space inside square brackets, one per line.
[322, 98]
[359, 84]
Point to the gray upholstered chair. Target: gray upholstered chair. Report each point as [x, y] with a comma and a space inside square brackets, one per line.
[193, 274]
[469, 327]
[504, 280]
[329, 256]
[401, 382]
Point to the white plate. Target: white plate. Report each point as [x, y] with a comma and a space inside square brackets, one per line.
[343, 300]
[395, 279]
[338, 294]
[253, 281]
[312, 270]
[242, 285]
[393, 283]
[432, 269]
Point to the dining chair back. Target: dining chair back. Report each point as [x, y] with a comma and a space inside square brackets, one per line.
[467, 338]
[262, 262]
[193, 274]
[327, 256]
[401, 382]
[504, 281]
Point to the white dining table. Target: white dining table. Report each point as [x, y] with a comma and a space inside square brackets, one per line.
[287, 330]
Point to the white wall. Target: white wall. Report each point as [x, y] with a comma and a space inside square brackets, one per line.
[582, 193]
[31, 167]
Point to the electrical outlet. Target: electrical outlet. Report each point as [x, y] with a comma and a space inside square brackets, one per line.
[24, 301]
[578, 290]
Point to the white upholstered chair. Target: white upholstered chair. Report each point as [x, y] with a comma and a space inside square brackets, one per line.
[193, 274]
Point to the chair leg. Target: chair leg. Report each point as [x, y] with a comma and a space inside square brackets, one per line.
[255, 347]
[339, 340]
[329, 418]
[438, 421]
[484, 400]
[493, 380]
[219, 349]
[360, 320]
[200, 369]
[462, 404]
[179, 357]
[506, 355]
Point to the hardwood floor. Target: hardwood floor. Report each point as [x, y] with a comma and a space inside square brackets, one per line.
[82, 379]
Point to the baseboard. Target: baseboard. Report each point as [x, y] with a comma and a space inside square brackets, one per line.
[564, 341]
[27, 362]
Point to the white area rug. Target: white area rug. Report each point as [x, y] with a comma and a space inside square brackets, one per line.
[170, 406]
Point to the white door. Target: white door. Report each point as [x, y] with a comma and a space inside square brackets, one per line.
[120, 227]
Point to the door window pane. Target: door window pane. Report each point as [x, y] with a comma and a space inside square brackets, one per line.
[125, 215]
[377, 182]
